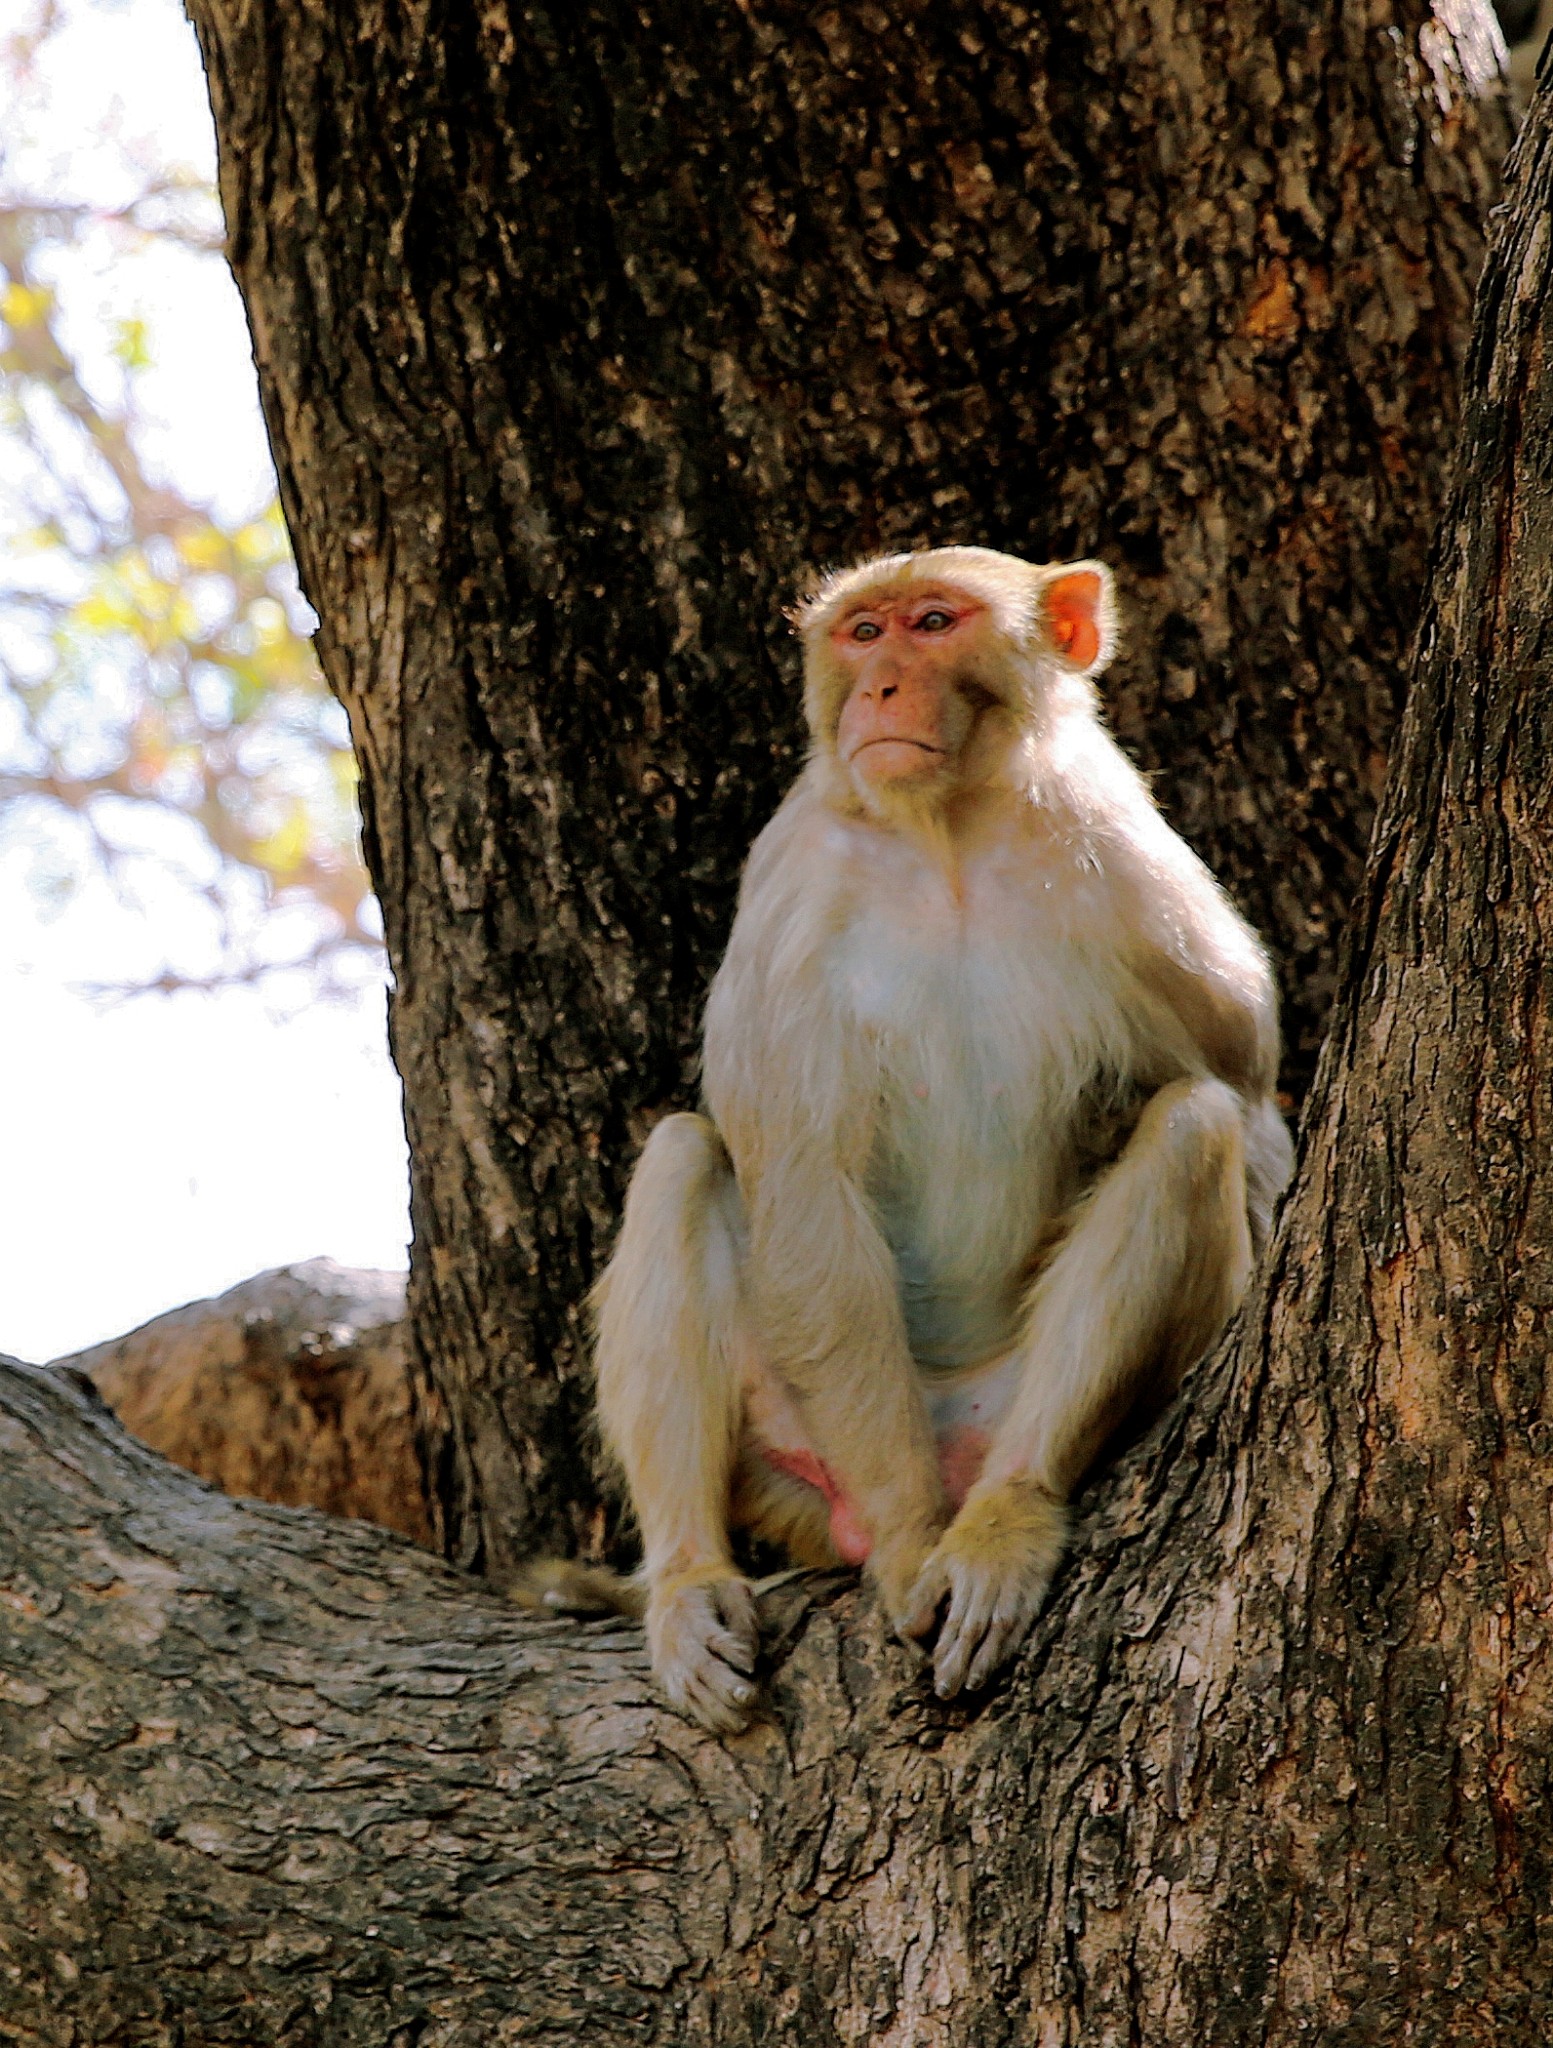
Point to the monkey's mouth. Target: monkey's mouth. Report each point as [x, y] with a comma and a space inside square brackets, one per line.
[894, 739]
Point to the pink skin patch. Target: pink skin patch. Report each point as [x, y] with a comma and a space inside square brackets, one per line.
[847, 1532]
[961, 1454]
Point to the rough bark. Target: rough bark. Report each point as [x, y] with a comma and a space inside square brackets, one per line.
[1273, 1770]
[293, 1387]
[584, 331]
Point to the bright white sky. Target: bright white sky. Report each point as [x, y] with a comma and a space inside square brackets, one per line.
[163, 1148]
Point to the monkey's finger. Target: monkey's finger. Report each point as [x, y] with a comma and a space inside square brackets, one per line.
[735, 1651]
[734, 1688]
[733, 1636]
[733, 1603]
[718, 1698]
[703, 1643]
[950, 1659]
[919, 1622]
[707, 1704]
[924, 1599]
[995, 1646]
[1015, 1611]
[970, 1612]
[734, 1599]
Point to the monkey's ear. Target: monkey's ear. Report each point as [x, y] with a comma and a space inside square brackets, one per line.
[1077, 615]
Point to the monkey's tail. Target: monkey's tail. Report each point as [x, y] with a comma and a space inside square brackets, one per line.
[557, 1585]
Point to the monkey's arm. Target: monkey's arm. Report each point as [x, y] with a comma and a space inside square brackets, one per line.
[1194, 984]
[1155, 1258]
[1157, 1251]
[791, 1086]
[1205, 999]
[1205, 1002]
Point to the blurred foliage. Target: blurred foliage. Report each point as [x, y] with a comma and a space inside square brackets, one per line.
[159, 698]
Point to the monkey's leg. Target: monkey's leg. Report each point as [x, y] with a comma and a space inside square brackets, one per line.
[670, 1360]
[1156, 1259]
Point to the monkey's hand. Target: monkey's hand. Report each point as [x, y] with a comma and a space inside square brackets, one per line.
[895, 1564]
[993, 1565]
[702, 1635]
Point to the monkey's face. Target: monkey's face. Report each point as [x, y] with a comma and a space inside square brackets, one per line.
[908, 666]
[924, 672]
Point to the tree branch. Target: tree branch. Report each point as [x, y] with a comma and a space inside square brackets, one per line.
[272, 1777]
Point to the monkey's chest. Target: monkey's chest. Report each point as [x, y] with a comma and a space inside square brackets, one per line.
[984, 1055]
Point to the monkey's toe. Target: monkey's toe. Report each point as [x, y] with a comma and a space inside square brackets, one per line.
[992, 1566]
[989, 1616]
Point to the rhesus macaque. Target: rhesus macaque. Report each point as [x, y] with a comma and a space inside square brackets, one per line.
[989, 1137]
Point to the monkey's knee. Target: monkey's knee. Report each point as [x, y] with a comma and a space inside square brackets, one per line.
[682, 1170]
[684, 1142]
[1199, 1132]
[1198, 1125]
[677, 1223]
[1191, 1142]
[1269, 1166]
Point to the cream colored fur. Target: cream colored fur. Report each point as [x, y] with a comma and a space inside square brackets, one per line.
[988, 1093]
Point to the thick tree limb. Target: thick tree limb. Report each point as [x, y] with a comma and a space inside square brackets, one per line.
[291, 1387]
[271, 1777]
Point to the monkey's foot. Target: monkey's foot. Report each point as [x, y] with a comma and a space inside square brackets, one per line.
[993, 1565]
[896, 1564]
[702, 1634]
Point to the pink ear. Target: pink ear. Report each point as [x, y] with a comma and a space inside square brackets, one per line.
[1073, 616]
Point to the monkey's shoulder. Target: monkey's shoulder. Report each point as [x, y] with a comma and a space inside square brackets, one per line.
[795, 850]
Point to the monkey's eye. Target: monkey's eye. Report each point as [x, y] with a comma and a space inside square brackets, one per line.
[935, 621]
[865, 629]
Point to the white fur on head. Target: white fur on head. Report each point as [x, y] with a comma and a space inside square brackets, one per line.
[1009, 588]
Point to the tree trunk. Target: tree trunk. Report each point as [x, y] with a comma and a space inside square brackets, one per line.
[1272, 1770]
[584, 331]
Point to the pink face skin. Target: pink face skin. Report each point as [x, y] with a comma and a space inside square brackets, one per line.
[904, 719]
